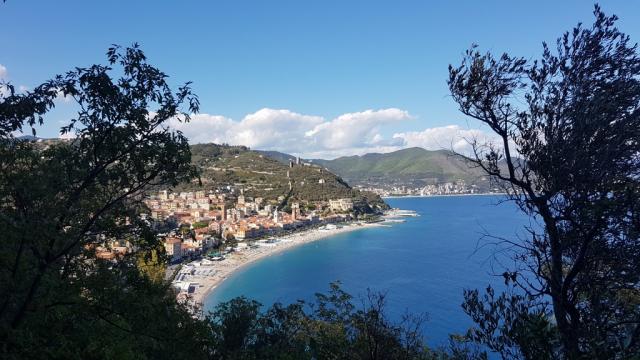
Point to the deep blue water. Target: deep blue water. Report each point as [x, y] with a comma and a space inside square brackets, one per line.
[423, 264]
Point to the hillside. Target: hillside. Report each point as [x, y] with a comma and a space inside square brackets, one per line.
[412, 167]
[261, 176]
[279, 156]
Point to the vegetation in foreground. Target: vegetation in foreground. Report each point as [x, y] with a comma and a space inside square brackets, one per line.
[335, 326]
[572, 119]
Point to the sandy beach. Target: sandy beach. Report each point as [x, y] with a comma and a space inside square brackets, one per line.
[209, 277]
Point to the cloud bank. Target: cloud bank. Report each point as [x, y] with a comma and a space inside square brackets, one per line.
[314, 136]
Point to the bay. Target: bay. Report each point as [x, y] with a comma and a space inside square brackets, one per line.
[423, 265]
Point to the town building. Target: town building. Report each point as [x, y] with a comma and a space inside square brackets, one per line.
[341, 205]
[173, 248]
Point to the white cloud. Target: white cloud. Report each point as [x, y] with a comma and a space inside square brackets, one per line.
[60, 97]
[272, 128]
[361, 129]
[452, 137]
[68, 136]
[4, 90]
[316, 137]
[264, 129]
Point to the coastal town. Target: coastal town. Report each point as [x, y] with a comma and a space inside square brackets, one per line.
[250, 206]
[245, 206]
[208, 234]
[459, 187]
[199, 221]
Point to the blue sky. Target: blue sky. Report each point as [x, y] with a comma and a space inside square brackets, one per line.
[334, 77]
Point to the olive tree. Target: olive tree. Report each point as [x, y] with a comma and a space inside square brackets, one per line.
[568, 154]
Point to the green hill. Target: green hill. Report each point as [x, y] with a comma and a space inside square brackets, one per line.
[413, 166]
[279, 156]
[259, 175]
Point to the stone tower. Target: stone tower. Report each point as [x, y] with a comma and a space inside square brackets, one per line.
[295, 210]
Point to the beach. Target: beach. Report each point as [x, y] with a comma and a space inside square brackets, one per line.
[209, 277]
[422, 263]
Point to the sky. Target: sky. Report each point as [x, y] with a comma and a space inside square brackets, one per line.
[319, 79]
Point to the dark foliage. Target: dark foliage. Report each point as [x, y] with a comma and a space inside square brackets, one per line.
[568, 126]
[60, 200]
[333, 327]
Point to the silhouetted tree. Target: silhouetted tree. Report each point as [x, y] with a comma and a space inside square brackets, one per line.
[332, 327]
[568, 154]
[60, 200]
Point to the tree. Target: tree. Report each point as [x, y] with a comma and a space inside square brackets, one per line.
[568, 130]
[63, 200]
[332, 327]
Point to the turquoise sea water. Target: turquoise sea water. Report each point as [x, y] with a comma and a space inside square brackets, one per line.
[423, 264]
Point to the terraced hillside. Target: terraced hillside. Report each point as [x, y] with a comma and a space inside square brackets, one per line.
[261, 176]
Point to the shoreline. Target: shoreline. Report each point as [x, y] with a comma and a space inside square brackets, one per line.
[439, 195]
[240, 258]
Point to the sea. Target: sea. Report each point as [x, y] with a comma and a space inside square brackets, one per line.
[422, 265]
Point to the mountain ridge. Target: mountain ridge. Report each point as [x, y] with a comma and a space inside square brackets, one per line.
[413, 166]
